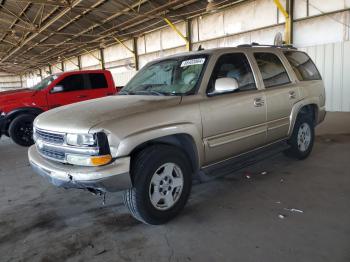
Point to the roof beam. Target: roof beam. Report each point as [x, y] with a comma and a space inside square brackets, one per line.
[135, 21]
[46, 2]
[45, 26]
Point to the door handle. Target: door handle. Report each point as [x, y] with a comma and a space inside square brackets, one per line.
[258, 102]
[292, 95]
[82, 96]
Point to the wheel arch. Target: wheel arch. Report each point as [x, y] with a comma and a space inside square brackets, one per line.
[20, 111]
[310, 108]
[183, 141]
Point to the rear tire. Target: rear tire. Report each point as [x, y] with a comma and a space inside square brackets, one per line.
[162, 180]
[302, 140]
[21, 130]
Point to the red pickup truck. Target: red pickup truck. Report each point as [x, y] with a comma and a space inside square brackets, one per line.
[18, 108]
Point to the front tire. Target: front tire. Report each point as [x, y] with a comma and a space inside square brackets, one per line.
[302, 140]
[21, 130]
[162, 180]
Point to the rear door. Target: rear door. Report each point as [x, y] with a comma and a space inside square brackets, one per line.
[97, 85]
[281, 93]
[233, 122]
[71, 89]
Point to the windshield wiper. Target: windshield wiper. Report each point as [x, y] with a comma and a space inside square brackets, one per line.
[148, 92]
[142, 92]
[124, 93]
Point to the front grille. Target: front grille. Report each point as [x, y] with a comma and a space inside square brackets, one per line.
[52, 138]
[53, 154]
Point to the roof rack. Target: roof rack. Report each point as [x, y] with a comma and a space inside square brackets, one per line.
[274, 46]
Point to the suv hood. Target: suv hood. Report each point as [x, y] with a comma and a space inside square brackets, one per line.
[15, 95]
[81, 117]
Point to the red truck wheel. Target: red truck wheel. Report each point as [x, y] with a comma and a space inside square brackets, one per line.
[21, 130]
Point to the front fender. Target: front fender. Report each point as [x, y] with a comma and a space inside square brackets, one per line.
[129, 143]
[23, 110]
[6, 119]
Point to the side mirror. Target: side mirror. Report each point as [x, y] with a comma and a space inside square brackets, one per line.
[225, 85]
[57, 89]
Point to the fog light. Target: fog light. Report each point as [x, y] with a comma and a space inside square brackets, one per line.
[81, 160]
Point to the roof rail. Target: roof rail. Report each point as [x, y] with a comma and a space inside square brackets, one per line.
[274, 46]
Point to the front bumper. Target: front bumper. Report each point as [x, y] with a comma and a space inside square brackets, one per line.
[109, 178]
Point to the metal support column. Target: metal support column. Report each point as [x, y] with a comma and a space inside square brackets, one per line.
[172, 26]
[133, 51]
[103, 65]
[189, 34]
[136, 55]
[288, 17]
[79, 62]
[290, 11]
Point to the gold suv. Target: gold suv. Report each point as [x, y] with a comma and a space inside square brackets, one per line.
[178, 117]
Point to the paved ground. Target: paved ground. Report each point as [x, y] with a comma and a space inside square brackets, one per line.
[231, 219]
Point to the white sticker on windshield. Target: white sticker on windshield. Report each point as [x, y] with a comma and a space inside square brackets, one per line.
[198, 61]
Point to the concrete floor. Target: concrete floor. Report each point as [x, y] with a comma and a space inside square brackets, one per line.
[231, 219]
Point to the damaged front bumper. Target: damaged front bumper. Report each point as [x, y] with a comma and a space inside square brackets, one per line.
[110, 178]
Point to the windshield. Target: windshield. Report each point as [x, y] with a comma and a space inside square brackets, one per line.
[178, 76]
[44, 83]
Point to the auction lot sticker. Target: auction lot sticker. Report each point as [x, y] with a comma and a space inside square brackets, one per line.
[197, 61]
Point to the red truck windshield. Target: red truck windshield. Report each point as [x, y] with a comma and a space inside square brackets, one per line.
[44, 83]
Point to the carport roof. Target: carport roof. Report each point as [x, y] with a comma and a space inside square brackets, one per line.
[35, 33]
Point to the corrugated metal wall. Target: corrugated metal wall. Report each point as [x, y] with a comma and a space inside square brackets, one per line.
[333, 61]
[318, 22]
[8, 81]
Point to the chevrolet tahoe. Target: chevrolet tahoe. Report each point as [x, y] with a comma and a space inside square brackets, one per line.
[177, 117]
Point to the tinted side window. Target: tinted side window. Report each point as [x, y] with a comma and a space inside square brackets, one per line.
[72, 83]
[97, 81]
[234, 66]
[303, 66]
[272, 69]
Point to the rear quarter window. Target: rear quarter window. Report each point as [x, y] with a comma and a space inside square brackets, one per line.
[272, 69]
[303, 66]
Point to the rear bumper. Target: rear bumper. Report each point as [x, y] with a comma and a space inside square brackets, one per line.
[321, 115]
[110, 178]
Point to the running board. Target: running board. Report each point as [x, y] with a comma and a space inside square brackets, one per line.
[234, 164]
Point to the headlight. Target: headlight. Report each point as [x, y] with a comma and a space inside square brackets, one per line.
[86, 158]
[81, 160]
[80, 139]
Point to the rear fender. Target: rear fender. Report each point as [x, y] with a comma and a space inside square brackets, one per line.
[314, 101]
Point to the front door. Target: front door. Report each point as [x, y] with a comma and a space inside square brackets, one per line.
[72, 89]
[233, 122]
[281, 94]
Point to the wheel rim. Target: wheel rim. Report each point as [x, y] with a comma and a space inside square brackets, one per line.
[166, 186]
[25, 131]
[304, 137]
